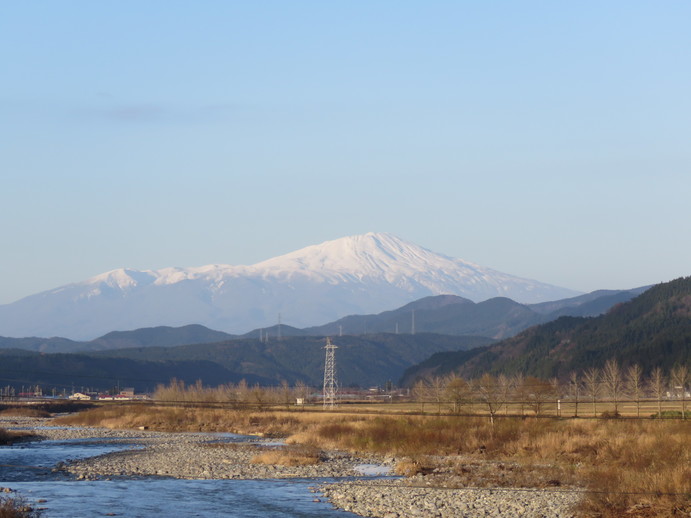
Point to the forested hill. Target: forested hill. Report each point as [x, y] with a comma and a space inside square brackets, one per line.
[653, 329]
[365, 361]
[19, 368]
[361, 360]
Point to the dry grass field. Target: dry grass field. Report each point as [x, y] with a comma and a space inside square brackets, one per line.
[626, 467]
[294, 455]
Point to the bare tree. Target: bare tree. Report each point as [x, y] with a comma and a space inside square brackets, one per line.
[519, 390]
[242, 392]
[420, 393]
[259, 396]
[613, 381]
[458, 391]
[657, 385]
[287, 395]
[574, 391]
[491, 394]
[540, 393]
[505, 388]
[591, 378]
[432, 390]
[634, 385]
[680, 379]
[436, 388]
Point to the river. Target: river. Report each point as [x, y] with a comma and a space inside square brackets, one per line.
[27, 468]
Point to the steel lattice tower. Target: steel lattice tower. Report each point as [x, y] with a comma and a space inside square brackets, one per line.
[330, 384]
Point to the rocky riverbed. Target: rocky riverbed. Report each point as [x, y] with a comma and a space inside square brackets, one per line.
[196, 458]
[208, 456]
[399, 498]
[184, 455]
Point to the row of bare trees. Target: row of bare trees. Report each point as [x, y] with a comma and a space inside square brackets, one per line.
[611, 385]
[595, 389]
[241, 394]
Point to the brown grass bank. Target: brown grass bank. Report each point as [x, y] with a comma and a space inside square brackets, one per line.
[642, 468]
[8, 437]
[42, 409]
[627, 467]
[190, 418]
[24, 411]
[294, 455]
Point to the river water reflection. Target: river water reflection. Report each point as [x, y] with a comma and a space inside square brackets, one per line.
[169, 497]
[27, 469]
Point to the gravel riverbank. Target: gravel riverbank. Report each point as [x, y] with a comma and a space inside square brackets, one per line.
[208, 456]
[196, 458]
[397, 498]
[183, 455]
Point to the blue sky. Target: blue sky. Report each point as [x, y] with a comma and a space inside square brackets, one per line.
[548, 140]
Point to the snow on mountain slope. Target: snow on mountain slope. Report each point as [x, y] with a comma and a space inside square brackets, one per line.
[384, 257]
[353, 275]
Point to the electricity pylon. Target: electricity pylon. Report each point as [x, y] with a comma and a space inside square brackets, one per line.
[330, 383]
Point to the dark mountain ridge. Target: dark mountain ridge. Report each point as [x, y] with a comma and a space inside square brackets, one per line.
[162, 336]
[653, 329]
[75, 371]
[361, 360]
[496, 318]
[442, 314]
[365, 359]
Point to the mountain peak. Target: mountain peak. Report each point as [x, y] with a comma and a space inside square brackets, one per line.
[361, 256]
[434, 302]
[360, 274]
[121, 278]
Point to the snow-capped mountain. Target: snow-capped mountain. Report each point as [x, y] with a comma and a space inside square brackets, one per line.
[354, 275]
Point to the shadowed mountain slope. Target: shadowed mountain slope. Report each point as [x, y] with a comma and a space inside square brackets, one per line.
[361, 360]
[77, 371]
[653, 329]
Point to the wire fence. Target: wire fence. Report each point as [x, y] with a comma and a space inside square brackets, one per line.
[671, 410]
